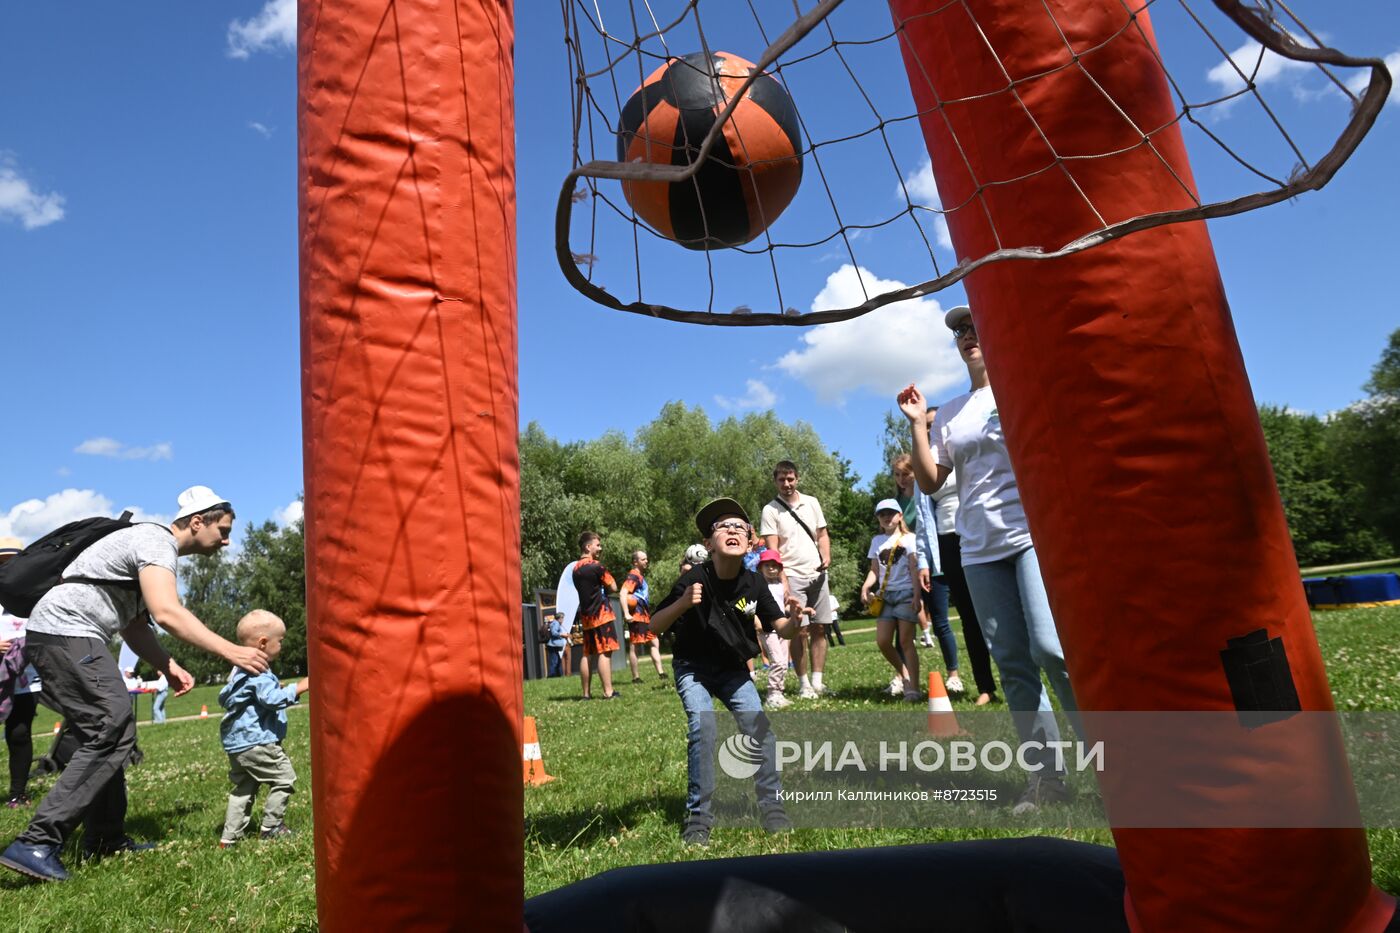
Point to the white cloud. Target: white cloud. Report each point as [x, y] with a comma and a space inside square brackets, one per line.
[35, 518]
[1357, 82]
[1271, 68]
[758, 396]
[882, 351]
[107, 447]
[923, 192]
[19, 201]
[274, 27]
[293, 512]
[261, 129]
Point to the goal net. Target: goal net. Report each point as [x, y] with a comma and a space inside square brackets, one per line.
[868, 202]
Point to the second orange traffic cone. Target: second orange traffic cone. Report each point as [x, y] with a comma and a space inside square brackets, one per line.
[941, 719]
[533, 759]
[204, 712]
[56, 727]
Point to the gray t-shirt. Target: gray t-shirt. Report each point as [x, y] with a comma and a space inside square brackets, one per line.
[84, 610]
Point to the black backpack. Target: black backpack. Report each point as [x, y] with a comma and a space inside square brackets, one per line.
[26, 577]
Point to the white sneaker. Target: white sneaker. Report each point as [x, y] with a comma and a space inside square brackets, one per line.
[896, 686]
[807, 693]
[928, 641]
[777, 701]
[954, 684]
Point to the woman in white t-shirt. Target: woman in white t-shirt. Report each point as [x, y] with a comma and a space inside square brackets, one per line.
[998, 557]
[894, 568]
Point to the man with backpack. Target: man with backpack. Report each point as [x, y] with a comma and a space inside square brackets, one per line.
[114, 585]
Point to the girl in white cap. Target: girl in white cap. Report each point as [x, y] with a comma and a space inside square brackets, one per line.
[894, 566]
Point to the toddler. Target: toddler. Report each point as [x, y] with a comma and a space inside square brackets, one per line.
[252, 731]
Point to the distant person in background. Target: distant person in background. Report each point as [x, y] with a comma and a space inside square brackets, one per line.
[19, 688]
[931, 591]
[948, 549]
[554, 646]
[595, 615]
[67, 640]
[635, 599]
[756, 548]
[161, 687]
[894, 566]
[793, 525]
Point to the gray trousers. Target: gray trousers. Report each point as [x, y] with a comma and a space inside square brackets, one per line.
[82, 682]
[248, 769]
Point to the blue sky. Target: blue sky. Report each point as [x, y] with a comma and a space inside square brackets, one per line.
[148, 291]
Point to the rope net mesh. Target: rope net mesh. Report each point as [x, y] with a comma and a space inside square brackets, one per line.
[867, 199]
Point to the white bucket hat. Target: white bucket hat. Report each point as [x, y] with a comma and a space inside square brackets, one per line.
[198, 499]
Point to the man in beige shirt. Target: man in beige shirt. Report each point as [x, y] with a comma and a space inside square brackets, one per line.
[794, 526]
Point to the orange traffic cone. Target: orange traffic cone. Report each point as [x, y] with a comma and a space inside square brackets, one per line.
[534, 761]
[941, 719]
[56, 727]
[204, 712]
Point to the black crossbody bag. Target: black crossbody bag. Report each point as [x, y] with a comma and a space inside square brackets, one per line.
[727, 628]
[798, 518]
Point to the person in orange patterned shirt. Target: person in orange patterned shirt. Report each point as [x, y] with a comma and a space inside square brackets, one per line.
[595, 615]
[636, 610]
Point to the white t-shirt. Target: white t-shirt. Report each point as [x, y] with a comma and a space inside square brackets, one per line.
[945, 506]
[967, 436]
[13, 628]
[898, 567]
[799, 552]
[84, 610]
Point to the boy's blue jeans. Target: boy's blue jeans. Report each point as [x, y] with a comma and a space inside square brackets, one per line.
[698, 687]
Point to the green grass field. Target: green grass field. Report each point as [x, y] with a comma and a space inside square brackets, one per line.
[618, 800]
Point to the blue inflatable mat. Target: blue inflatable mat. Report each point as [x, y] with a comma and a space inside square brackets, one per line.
[1372, 589]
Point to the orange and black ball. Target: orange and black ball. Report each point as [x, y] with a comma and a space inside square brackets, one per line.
[751, 174]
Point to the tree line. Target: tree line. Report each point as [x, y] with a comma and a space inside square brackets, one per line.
[1337, 477]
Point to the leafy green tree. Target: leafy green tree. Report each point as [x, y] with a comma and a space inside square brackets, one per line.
[1325, 508]
[270, 574]
[1365, 444]
[850, 520]
[211, 594]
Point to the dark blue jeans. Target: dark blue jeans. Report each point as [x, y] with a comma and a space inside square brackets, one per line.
[698, 687]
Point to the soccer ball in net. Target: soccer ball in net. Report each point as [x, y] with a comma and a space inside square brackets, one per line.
[751, 174]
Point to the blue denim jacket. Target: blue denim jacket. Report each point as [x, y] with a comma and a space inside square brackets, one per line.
[256, 710]
[926, 535]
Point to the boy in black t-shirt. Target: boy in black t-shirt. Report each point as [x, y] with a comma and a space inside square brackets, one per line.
[713, 607]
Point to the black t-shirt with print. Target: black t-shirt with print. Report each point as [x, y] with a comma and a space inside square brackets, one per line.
[747, 594]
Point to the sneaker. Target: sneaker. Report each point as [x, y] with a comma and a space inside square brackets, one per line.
[18, 801]
[636, 680]
[913, 696]
[807, 693]
[777, 701]
[39, 862]
[695, 834]
[896, 686]
[927, 642]
[114, 847]
[954, 684]
[665, 681]
[611, 696]
[775, 820]
[277, 832]
[1041, 790]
